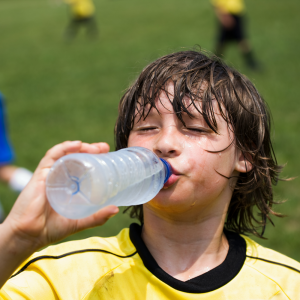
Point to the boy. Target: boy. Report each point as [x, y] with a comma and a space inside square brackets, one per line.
[231, 27]
[209, 122]
[82, 16]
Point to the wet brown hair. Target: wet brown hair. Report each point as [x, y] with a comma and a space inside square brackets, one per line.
[203, 77]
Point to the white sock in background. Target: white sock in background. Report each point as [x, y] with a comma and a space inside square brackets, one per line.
[19, 179]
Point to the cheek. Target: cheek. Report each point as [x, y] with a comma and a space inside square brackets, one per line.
[135, 140]
[196, 161]
[205, 166]
[194, 142]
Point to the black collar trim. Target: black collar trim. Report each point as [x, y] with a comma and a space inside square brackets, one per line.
[204, 283]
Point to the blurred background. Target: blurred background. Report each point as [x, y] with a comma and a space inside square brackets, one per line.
[60, 88]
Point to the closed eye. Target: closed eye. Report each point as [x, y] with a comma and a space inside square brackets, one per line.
[197, 129]
[146, 128]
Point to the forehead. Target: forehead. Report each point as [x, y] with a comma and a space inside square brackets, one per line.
[167, 101]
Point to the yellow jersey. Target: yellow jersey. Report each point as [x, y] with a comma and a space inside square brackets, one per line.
[235, 7]
[121, 267]
[82, 8]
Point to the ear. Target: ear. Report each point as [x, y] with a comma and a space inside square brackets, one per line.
[243, 162]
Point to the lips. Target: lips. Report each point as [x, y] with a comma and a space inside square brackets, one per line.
[173, 178]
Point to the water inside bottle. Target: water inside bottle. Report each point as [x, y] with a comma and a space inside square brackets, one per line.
[80, 184]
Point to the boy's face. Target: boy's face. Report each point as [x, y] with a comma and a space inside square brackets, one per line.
[196, 183]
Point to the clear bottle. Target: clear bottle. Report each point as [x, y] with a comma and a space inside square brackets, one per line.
[80, 184]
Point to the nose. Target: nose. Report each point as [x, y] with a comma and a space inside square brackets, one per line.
[168, 143]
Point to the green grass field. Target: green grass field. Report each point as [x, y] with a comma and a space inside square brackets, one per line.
[60, 91]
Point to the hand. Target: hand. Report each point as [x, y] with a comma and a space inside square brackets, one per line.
[33, 221]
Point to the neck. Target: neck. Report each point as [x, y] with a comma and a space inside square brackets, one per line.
[185, 248]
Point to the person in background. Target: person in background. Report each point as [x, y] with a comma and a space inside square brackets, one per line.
[231, 28]
[16, 177]
[82, 15]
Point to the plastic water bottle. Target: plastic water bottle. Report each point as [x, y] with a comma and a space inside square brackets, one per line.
[80, 184]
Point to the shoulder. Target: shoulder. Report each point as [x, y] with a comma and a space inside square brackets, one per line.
[273, 266]
[119, 244]
[81, 252]
[70, 270]
[257, 252]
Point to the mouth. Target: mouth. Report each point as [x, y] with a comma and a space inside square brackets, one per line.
[172, 179]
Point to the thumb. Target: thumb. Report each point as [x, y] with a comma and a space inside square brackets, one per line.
[97, 219]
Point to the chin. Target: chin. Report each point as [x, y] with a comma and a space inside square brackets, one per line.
[170, 204]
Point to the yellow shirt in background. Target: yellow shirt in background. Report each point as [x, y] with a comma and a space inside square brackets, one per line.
[235, 7]
[82, 8]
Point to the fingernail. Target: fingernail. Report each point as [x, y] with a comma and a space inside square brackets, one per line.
[114, 211]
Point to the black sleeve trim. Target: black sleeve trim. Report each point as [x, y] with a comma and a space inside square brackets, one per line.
[67, 254]
[274, 262]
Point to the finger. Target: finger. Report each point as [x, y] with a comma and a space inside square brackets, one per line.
[68, 147]
[103, 147]
[97, 219]
[95, 148]
[58, 151]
